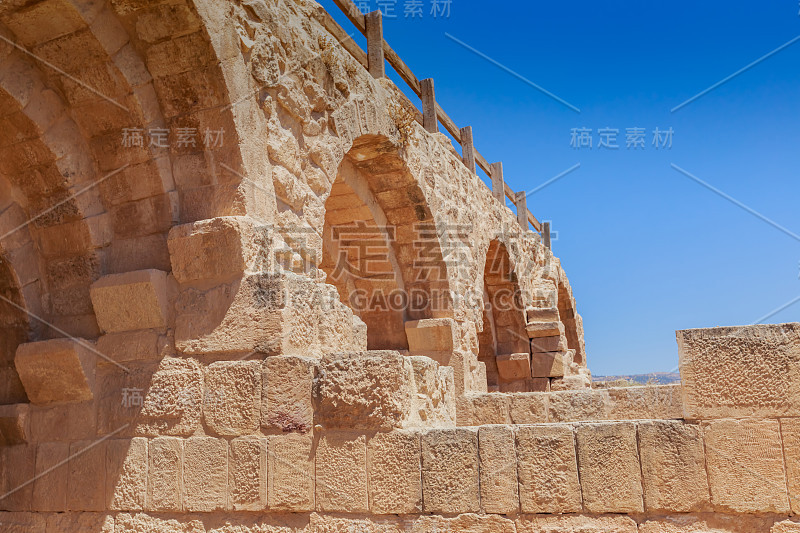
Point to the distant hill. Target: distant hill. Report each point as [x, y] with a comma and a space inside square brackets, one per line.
[660, 378]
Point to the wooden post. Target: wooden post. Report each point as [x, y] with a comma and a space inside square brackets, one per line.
[468, 149]
[546, 234]
[429, 120]
[498, 184]
[521, 201]
[377, 67]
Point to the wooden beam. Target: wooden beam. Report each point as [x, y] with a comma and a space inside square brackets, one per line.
[377, 65]
[498, 189]
[535, 223]
[429, 120]
[482, 163]
[520, 200]
[468, 148]
[353, 13]
[546, 234]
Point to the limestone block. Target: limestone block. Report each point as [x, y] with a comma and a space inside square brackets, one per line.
[790, 431]
[23, 522]
[131, 301]
[248, 473]
[542, 314]
[785, 526]
[165, 474]
[498, 470]
[141, 522]
[578, 405]
[205, 474]
[50, 489]
[555, 343]
[544, 329]
[477, 523]
[290, 473]
[673, 466]
[651, 401]
[56, 371]
[14, 424]
[708, 523]
[476, 409]
[64, 422]
[173, 401]
[576, 524]
[17, 468]
[130, 346]
[370, 390]
[746, 466]
[748, 371]
[126, 474]
[529, 408]
[341, 473]
[548, 469]
[395, 485]
[514, 366]
[450, 472]
[432, 335]
[86, 481]
[79, 522]
[216, 249]
[548, 364]
[287, 394]
[233, 397]
[433, 396]
[610, 473]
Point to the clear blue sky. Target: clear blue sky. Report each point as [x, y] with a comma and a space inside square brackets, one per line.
[647, 249]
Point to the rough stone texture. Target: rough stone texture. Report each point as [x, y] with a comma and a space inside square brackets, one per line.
[433, 394]
[477, 409]
[290, 473]
[707, 523]
[395, 484]
[790, 431]
[498, 470]
[341, 473]
[173, 398]
[575, 406]
[205, 474]
[432, 335]
[652, 401]
[165, 474]
[86, 481]
[514, 366]
[130, 346]
[756, 377]
[367, 391]
[232, 403]
[547, 364]
[131, 301]
[548, 469]
[450, 478]
[609, 469]
[287, 395]
[746, 466]
[56, 371]
[673, 467]
[50, 489]
[248, 473]
[576, 524]
[786, 526]
[529, 408]
[126, 474]
[14, 424]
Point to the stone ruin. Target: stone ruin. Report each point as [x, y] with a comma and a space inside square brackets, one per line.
[244, 290]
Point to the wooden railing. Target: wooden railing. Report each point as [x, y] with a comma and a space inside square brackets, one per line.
[378, 52]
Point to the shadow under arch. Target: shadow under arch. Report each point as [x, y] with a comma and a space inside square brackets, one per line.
[504, 331]
[380, 244]
[14, 330]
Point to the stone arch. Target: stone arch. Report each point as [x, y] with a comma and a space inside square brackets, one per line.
[503, 332]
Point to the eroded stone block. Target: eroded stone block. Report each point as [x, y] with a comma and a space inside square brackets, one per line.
[205, 474]
[547, 364]
[173, 399]
[165, 474]
[432, 335]
[394, 473]
[287, 395]
[450, 478]
[576, 524]
[548, 469]
[56, 371]
[14, 424]
[233, 397]
[790, 431]
[498, 470]
[248, 473]
[341, 473]
[290, 472]
[514, 366]
[86, 481]
[578, 405]
[131, 301]
[126, 474]
[529, 408]
[610, 473]
[50, 489]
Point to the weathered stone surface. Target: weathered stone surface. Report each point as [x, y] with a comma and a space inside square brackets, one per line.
[786, 526]
[514, 366]
[248, 473]
[205, 474]
[548, 469]
[578, 405]
[477, 409]
[14, 424]
[131, 301]
[86, 480]
[432, 335]
[50, 489]
[450, 471]
[790, 431]
[547, 364]
[433, 396]
[341, 472]
[126, 474]
[173, 399]
[673, 467]
[610, 474]
[141, 522]
[529, 408]
[746, 466]
[129, 346]
[652, 401]
[747, 371]
[233, 397]
[56, 371]
[395, 483]
[165, 474]
[290, 473]
[498, 470]
[287, 395]
[365, 391]
[576, 524]
[705, 523]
